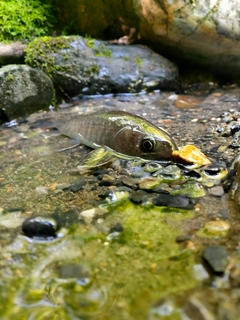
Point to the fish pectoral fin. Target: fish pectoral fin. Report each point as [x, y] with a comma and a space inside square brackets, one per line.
[87, 143]
[96, 158]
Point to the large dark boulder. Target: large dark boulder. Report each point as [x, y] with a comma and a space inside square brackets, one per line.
[80, 65]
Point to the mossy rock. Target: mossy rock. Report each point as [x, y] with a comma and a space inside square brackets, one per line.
[24, 90]
[80, 65]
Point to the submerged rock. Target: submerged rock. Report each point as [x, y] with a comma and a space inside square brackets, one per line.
[24, 90]
[217, 258]
[171, 201]
[42, 227]
[79, 65]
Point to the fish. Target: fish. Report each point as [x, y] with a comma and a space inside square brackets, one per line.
[121, 131]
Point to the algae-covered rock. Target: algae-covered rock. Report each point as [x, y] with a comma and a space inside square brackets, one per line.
[24, 90]
[80, 65]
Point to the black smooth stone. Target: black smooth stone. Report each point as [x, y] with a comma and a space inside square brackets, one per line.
[100, 172]
[170, 201]
[108, 183]
[235, 128]
[43, 227]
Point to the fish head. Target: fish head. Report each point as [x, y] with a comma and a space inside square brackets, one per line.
[134, 142]
[154, 148]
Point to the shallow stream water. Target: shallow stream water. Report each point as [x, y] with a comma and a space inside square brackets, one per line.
[130, 261]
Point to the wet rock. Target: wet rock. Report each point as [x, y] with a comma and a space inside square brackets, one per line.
[216, 191]
[11, 217]
[78, 184]
[131, 182]
[162, 188]
[62, 186]
[216, 257]
[108, 183]
[101, 172]
[152, 167]
[89, 215]
[235, 128]
[171, 201]
[82, 66]
[169, 173]
[214, 229]
[149, 183]
[190, 189]
[217, 226]
[41, 227]
[200, 272]
[24, 90]
[139, 196]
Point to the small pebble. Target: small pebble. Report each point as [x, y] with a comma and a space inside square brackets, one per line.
[216, 191]
[89, 215]
[78, 185]
[200, 272]
[217, 226]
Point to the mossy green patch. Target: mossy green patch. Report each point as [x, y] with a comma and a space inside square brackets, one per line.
[103, 51]
[89, 41]
[39, 53]
[24, 19]
[138, 61]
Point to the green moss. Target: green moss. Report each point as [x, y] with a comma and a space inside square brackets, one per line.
[10, 77]
[24, 19]
[39, 53]
[138, 61]
[103, 51]
[89, 41]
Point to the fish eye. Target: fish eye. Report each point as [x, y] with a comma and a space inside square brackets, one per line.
[147, 144]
